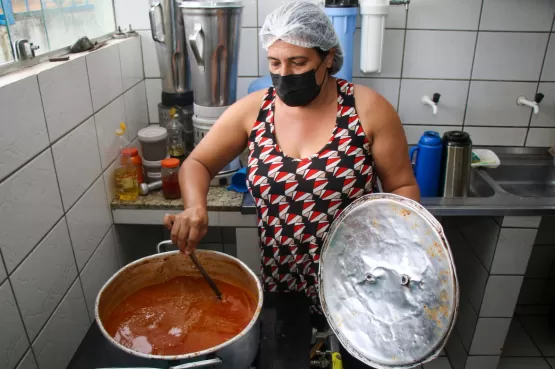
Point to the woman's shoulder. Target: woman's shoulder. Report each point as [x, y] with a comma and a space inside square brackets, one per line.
[247, 108]
[372, 108]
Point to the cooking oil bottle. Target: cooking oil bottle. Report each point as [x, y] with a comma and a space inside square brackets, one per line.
[176, 132]
[127, 179]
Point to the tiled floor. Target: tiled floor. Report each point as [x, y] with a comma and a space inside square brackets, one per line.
[530, 344]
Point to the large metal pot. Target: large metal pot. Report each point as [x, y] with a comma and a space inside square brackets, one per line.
[236, 353]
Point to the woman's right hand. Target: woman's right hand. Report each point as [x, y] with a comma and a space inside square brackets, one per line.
[188, 228]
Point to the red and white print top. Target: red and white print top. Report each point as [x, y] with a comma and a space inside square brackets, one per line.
[298, 199]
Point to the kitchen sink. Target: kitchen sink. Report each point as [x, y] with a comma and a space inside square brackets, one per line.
[534, 179]
[479, 187]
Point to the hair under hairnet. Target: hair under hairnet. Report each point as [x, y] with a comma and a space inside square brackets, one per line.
[305, 24]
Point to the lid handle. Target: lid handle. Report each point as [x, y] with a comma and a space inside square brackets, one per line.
[196, 46]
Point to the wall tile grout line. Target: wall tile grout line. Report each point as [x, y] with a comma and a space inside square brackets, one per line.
[402, 61]
[10, 174]
[469, 87]
[539, 80]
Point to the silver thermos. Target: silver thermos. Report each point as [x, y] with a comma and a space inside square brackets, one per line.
[457, 157]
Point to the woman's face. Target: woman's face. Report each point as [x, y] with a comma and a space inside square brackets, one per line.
[285, 59]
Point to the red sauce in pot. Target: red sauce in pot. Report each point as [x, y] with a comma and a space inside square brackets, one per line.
[180, 316]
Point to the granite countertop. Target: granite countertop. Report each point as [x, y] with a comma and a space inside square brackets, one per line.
[219, 199]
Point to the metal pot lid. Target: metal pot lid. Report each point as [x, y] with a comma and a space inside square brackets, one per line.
[388, 285]
[211, 4]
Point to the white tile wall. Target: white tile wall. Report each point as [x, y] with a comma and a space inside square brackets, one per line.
[448, 14]
[41, 281]
[104, 76]
[482, 362]
[243, 86]
[387, 87]
[481, 234]
[392, 54]
[248, 65]
[540, 137]
[489, 336]
[150, 58]
[451, 104]
[494, 104]
[248, 249]
[30, 205]
[522, 222]
[548, 73]
[456, 352]
[64, 331]
[88, 222]
[136, 110]
[433, 54]
[131, 62]
[102, 265]
[132, 12]
[40, 249]
[13, 340]
[499, 15]
[466, 322]
[153, 95]
[545, 117]
[107, 122]
[443, 39]
[66, 96]
[497, 136]
[501, 296]
[509, 56]
[77, 162]
[25, 132]
[513, 251]
[518, 343]
[523, 362]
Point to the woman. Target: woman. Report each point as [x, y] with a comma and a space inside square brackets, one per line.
[315, 143]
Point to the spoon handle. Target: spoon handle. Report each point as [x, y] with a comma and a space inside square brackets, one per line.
[206, 276]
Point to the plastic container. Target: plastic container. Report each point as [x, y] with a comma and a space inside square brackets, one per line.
[152, 170]
[343, 15]
[170, 179]
[262, 83]
[153, 142]
[427, 156]
[133, 153]
[373, 14]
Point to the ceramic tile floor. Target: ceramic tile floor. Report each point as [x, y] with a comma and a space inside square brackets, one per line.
[529, 344]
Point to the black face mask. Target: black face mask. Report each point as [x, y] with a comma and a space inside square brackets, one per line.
[297, 89]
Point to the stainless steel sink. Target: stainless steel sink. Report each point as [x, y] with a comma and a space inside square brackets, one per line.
[479, 187]
[526, 179]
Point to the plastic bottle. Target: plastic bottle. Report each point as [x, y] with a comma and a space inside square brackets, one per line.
[176, 132]
[427, 156]
[127, 181]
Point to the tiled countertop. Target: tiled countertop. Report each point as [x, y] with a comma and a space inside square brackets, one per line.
[219, 199]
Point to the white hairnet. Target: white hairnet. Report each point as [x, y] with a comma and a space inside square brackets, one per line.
[305, 24]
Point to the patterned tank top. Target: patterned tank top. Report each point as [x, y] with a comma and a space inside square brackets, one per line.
[298, 199]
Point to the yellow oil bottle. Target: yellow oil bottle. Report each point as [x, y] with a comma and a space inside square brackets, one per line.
[127, 179]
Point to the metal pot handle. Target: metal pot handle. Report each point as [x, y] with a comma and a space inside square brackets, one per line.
[196, 46]
[152, 22]
[199, 364]
[163, 243]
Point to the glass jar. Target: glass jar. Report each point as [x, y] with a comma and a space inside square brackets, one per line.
[170, 178]
[136, 160]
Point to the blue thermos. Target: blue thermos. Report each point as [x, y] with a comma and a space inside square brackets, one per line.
[343, 15]
[426, 157]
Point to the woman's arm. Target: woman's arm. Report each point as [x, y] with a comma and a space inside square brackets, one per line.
[389, 144]
[224, 142]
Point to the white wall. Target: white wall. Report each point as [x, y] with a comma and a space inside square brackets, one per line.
[481, 55]
[57, 244]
